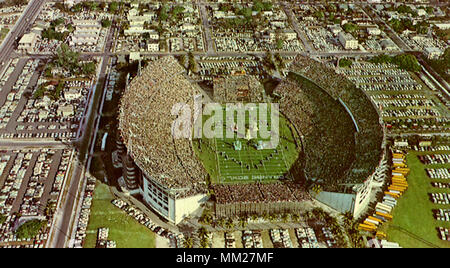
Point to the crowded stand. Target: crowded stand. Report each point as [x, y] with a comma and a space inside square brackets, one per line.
[259, 193]
[146, 124]
[323, 131]
[365, 150]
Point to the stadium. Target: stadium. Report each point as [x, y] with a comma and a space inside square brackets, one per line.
[329, 136]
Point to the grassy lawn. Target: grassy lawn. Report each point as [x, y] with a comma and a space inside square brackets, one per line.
[413, 212]
[123, 229]
[3, 33]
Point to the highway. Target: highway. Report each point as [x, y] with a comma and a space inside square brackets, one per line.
[67, 216]
[25, 21]
[208, 37]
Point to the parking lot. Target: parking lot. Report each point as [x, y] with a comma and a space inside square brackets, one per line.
[24, 115]
[30, 181]
[406, 101]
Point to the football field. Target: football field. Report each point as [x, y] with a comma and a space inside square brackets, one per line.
[249, 163]
[241, 159]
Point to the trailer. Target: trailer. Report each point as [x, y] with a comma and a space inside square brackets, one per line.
[386, 215]
[382, 209]
[366, 227]
[374, 219]
[384, 206]
[369, 221]
[397, 155]
[395, 195]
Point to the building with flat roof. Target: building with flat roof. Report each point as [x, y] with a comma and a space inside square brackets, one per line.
[388, 44]
[348, 41]
[86, 32]
[433, 52]
[27, 42]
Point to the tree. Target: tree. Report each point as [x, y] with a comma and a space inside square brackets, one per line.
[246, 12]
[204, 242]
[243, 221]
[206, 217]
[56, 93]
[229, 224]
[407, 62]
[177, 10]
[221, 222]
[183, 60]
[2, 219]
[77, 8]
[193, 65]
[350, 27]
[280, 61]
[30, 229]
[268, 61]
[258, 6]
[19, 2]
[106, 23]
[345, 63]
[88, 68]
[280, 43]
[202, 231]
[188, 242]
[397, 25]
[50, 208]
[67, 59]
[268, 6]
[94, 5]
[40, 91]
[113, 7]
[162, 13]
[319, 14]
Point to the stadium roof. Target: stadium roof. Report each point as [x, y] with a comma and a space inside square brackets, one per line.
[338, 201]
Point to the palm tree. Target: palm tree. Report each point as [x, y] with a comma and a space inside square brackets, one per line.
[188, 242]
[295, 217]
[204, 242]
[221, 222]
[229, 224]
[202, 232]
[348, 219]
[243, 222]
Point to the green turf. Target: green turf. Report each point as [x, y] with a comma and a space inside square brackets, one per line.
[413, 213]
[227, 165]
[125, 230]
[3, 33]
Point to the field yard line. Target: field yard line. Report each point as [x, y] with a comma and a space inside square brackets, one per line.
[217, 161]
[262, 159]
[240, 159]
[284, 158]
